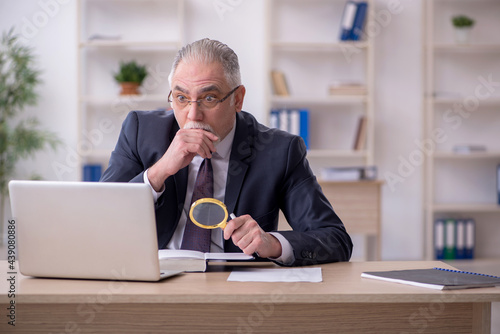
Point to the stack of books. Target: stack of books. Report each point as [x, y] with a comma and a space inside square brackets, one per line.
[469, 148]
[355, 173]
[347, 88]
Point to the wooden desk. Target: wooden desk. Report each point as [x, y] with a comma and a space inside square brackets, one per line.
[206, 303]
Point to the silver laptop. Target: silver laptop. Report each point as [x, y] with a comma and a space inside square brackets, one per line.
[86, 230]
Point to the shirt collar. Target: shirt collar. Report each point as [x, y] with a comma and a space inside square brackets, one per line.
[224, 146]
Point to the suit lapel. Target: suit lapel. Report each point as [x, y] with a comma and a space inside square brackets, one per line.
[237, 169]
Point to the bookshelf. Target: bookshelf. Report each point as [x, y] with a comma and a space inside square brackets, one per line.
[304, 44]
[110, 31]
[464, 108]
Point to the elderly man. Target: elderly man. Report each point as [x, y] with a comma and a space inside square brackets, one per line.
[208, 147]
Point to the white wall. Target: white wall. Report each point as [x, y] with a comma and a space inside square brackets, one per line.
[398, 123]
[50, 28]
[241, 26]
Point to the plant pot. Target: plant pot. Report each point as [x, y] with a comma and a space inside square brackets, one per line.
[129, 88]
[462, 35]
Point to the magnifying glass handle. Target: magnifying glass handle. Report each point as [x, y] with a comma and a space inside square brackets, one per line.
[232, 216]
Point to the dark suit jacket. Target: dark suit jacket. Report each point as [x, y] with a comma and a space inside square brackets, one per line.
[268, 171]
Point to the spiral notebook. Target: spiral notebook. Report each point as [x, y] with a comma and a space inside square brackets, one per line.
[436, 278]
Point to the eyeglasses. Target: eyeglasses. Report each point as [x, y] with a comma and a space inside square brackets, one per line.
[208, 102]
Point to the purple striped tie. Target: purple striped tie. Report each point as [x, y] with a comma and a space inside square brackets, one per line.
[197, 238]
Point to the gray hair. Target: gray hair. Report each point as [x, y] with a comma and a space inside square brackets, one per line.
[210, 51]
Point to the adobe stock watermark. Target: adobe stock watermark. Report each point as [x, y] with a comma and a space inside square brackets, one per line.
[265, 310]
[373, 27]
[224, 6]
[88, 311]
[90, 140]
[156, 77]
[453, 116]
[420, 320]
[32, 24]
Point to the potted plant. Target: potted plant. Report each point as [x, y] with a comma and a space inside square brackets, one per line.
[463, 24]
[19, 138]
[130, 77]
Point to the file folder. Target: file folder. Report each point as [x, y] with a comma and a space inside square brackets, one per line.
[439, 239]
[450, 239]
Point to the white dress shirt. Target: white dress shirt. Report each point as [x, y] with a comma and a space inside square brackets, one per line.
[220, 163]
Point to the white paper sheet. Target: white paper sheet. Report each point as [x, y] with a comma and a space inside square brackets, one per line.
[276, 275]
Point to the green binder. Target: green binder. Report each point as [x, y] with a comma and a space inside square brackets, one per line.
[450, 237]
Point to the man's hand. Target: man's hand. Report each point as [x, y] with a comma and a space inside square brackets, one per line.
[250, 238]
[186, 145]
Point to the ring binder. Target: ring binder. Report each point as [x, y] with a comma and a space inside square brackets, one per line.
[436, 278]
[466, 272]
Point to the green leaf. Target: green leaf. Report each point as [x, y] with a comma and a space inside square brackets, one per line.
[131, 72]
[461, 21]
[19, 138]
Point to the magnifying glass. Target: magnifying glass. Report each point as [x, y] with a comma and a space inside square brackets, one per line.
[209, 213]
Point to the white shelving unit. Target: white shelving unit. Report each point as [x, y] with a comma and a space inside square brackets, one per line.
[110, 31]
[459, 109]
[304, 44]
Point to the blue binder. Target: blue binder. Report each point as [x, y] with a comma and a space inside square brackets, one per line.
[470, 238]
[498, 184]
[92, 173]
[439, 239]
[359, 21]
[347, 22]
[295, 121]
[274, 120]
[304, 126]
[460, 240]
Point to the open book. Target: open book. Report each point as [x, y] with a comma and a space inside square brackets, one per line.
[189, 260]
[436, 278]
